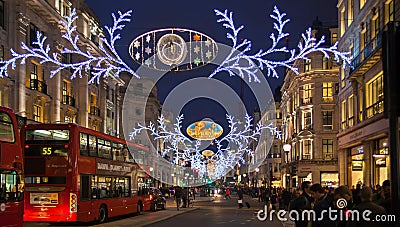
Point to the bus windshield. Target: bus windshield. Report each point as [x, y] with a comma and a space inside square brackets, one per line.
[49, 134]
[6, 128]
[11, 186]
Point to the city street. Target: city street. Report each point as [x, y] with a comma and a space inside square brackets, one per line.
[219, 212]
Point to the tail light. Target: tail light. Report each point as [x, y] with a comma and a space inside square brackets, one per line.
[73, 202]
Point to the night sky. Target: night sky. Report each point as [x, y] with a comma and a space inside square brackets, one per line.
[200, 16]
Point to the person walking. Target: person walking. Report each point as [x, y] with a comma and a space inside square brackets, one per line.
[178, 196]
[227, 193]
[373, 209]
[323, 202]
[240, 199]
[301, 203]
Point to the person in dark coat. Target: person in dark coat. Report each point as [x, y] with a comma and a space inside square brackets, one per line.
[301, 203]
[323, 201]
[240, 195]
[343, 193]
[178, 196]
[367, 204]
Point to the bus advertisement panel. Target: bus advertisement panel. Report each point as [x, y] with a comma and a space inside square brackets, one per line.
[75, 174]
[11, 162]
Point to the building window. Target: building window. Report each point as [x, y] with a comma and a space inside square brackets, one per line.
[389, 11]
[350, 110]
[64, 8]
[343, 115]
[362, 3]
[374, 96]
[307, 96]
[327, 120]
[307, 65]
[327, 149]
[2, 58]
[375, 25]
[327, 95]
[327, 63]
[334, 38]
[37, 113]
[2, 14]
[350, 12]
[33, 30]
[307, 149]
[94, 32]
[342, 22]
[307, 122]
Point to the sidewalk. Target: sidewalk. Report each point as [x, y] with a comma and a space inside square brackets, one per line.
[147, 218]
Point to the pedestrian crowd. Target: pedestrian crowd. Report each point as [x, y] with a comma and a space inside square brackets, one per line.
[315, 197]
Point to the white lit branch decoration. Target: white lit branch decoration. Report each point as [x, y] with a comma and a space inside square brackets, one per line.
[108, 63]
[240, 62]
[183, 149]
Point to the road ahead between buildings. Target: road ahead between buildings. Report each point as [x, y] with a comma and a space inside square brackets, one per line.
[219, 212]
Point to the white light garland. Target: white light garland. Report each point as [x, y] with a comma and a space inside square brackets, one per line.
[109, 63]
[182, 149]
[240, 62]
[237, 62]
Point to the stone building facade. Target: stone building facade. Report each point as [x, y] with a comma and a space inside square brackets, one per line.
[363, 132]
[309, 115]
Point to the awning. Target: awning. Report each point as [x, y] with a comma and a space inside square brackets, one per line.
[302, 174]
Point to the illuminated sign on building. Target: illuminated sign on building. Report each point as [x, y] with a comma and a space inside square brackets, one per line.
[204, 130]
[207, 153]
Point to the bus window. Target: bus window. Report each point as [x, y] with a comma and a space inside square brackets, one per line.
[6, 128]
[104, 148]
[117, 152]
[84, 144]
[52, 134]
[92, 146]
[11, 186]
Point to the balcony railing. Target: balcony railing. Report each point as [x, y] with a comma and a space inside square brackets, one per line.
[68, 100]
[368, 50]
[38, 85]
[374, 109]
[94, 110]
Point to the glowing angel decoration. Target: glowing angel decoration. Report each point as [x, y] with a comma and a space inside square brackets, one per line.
[108, 63]
[182, 149]
[240, 62]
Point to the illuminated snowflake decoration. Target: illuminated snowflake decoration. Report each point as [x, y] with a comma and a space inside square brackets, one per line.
[226, 157]
[109, 63]
[239, 61]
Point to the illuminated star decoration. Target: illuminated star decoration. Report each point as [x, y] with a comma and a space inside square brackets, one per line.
[182, 149]
[108, 63]
[250, 63]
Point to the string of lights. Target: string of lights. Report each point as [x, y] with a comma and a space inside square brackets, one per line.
[182, 149]
[240, 62]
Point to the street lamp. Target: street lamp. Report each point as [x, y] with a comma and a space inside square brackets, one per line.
[257, 170]
[287, 147]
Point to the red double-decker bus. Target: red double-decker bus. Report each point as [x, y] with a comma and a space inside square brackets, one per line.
[75, 174]
[11, 178]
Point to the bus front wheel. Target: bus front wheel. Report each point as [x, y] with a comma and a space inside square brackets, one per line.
[102, 214]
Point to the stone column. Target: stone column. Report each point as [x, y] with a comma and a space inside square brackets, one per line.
[55, 93]
[342, 162]
[82, 101]
[367, 170]
[20, 78]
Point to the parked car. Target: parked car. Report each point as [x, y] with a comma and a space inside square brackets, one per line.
[157, 200]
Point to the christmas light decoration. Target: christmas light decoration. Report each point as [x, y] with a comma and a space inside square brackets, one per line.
[181, 149]
[109, 63]
[240, 62]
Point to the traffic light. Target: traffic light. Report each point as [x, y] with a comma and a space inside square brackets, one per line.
[187, 164]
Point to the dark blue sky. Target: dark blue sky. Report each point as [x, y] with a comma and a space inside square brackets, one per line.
[200, 16]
